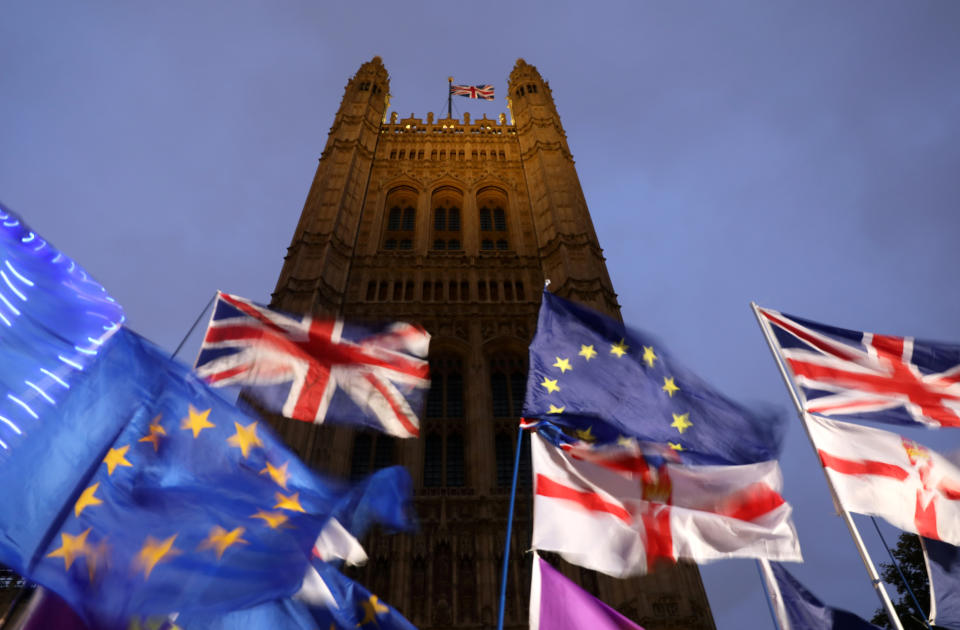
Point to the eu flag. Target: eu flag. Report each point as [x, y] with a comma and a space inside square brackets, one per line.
[609, 383]
[132, 488]
[329, 599]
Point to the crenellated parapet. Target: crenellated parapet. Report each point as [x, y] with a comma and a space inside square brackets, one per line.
[448, 126]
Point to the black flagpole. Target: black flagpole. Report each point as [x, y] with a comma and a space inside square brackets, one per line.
[449, 97]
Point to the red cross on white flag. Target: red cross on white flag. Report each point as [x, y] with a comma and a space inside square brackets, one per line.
[883, 474]
[609, 510]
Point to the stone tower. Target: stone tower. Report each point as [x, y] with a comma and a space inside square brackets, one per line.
[455, 224]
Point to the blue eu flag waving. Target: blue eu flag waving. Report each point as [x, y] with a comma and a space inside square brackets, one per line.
[131, 487]
[608, 383]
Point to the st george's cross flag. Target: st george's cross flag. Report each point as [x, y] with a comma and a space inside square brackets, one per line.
[319, 370]
[882, 474]
[848, 374]
[615, 513]
[473, 91]
[608, 383]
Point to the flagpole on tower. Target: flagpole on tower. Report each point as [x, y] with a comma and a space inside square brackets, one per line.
[847, 519]
[449, 97]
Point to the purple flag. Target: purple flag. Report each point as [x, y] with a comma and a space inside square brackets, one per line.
[556, 603]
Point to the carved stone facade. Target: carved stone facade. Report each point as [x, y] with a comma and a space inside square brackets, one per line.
[455, 224]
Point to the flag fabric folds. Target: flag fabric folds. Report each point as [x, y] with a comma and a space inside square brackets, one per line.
[328, 599]
[943, 568]
[799, 609]
[556, 603]
[882, 474]
[866, 376]
[473, 91]
[611, 511]
[610, 383]
[54, 319]
[181, 503]
[319, 370]
[132, 487]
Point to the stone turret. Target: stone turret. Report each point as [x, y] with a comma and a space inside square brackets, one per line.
[315, 270]
[569, 249]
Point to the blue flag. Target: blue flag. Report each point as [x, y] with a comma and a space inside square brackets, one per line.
[805, 612]
[331, 600]
[943, 565]
[356, 607]
[607, 383]
[319, 370]
[132, 488]
[848, 374]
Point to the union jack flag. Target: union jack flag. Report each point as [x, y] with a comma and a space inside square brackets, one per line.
[319, 370]
[867, 376]
[473, 91]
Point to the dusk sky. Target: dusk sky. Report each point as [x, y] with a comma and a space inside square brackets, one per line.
[805, 155]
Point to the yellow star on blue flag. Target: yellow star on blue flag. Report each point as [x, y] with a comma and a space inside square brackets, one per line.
[636, 390]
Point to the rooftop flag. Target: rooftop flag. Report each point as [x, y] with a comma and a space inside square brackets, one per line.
[610, 383]
[848, 374]
[473, 91]
[319, 370]
[611, 511]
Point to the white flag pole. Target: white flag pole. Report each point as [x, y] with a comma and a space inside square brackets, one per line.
[847, 519]
[774, 598]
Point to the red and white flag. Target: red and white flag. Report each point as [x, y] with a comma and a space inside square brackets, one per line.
[319, 370]
[883, 474]
[611, 511]
[473, 91]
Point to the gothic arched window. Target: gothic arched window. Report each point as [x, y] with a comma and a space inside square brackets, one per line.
[444, 463]
[499, 220]
[371, 452]
[399, 232]
[444, 451]
[505, 445]
[446, 219]
[486, 223]
[393, 224]
[445, 398]
[492, 219]
[508, 384]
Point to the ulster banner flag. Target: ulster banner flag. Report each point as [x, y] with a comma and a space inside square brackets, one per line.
[611, 511]
[883, 474]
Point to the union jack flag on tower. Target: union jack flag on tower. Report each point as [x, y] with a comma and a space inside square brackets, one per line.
[860, 375]
[319, 370]
[473, 91]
